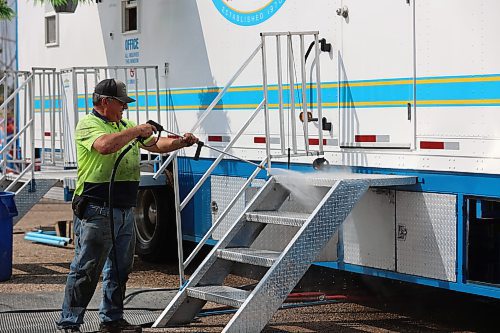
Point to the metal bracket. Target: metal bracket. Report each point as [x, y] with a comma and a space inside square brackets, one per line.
[343, 11]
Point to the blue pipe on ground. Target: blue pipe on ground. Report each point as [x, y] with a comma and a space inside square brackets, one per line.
[45, 241]
[41, 235]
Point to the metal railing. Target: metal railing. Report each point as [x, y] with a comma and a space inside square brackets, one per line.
[47, 91]
[16, 126]
[291, 59]
[265, 104]
[78, 86]
[41, 108]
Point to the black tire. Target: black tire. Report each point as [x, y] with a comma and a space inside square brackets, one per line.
[155, 225]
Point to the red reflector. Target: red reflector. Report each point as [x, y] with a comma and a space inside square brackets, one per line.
[315, 142]
[47, 133]
[365, 138]
[173, 136]
[431, 145]
[259, 139]
[215, 138]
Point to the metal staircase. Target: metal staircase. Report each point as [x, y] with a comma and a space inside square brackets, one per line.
[315, 223]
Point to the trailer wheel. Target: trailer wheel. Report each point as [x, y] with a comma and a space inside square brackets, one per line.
[155, 225]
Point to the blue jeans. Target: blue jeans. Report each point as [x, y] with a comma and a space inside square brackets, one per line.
[93, 255]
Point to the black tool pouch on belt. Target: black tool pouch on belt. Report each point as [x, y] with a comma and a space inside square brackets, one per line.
[79, 205]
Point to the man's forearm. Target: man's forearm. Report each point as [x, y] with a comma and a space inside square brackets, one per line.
[111, 143]
[165, 145]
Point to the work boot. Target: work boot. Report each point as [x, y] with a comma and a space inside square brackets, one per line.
[68, 329]
[119, 326]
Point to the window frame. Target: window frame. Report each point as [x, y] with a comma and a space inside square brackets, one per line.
[126, 5]
[56, 28]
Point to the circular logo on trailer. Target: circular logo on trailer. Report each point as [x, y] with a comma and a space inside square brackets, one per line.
[248, 12]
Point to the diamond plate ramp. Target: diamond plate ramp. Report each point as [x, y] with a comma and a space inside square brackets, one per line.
[26, 198]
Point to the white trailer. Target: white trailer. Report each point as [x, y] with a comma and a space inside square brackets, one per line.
[408, 88]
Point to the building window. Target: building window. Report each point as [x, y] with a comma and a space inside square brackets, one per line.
[51, 29]
[130, 17]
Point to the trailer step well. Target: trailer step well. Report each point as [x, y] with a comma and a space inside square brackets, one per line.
[273, 206]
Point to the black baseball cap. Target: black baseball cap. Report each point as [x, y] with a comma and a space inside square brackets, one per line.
[112, 88]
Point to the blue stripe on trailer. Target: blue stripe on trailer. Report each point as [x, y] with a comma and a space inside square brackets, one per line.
[468, 90]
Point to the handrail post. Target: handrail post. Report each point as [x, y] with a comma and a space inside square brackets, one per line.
[15, 118]
[305, 115]
[136, 94]
[146, 100]
[75, 97]
[32, 128]
[25, 117]
[42, 115]
[53, 118]
[318, 94]
[60, 112]
[266, 101]
[291, 73]
[125, 80]
[4, 128]
[157, 81]
[280, 94]
[85, 90]
[178, 222]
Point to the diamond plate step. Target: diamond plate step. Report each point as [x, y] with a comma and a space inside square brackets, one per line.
[219, 294]
[25, 199]
[256, 257]
[276, 217]
[328, 180]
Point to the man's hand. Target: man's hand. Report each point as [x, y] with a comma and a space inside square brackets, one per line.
[145, 130]
[189, 139]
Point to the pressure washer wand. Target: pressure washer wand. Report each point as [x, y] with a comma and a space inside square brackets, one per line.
[202, 144]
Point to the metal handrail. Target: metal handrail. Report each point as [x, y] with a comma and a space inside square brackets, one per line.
[221, 156]
[223, 214]
[180, 206]
[209, 109]
[15, 92]
[15, 137]
[16, 180]
[9, 143]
